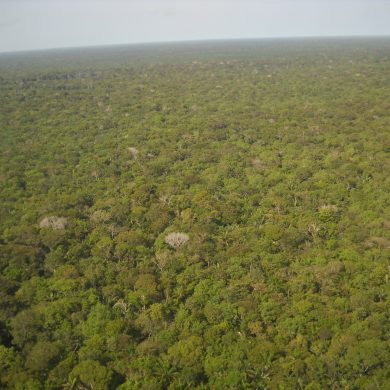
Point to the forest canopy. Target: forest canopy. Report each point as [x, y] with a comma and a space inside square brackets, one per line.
[196, 216]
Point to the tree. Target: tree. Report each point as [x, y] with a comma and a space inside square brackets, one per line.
[93, 374]
[176, 240]
[42, 356]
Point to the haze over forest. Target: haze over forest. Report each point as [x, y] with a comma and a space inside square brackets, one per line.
[40, 24]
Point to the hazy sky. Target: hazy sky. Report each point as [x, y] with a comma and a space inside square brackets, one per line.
[37, 24]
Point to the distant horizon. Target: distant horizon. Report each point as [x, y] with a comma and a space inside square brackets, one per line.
[30, 25]
[162, 42]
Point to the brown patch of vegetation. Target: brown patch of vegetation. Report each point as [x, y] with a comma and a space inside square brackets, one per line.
[53, 222]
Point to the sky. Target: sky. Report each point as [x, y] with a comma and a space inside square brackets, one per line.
[43, 24]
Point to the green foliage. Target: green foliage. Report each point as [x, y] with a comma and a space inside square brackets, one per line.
[196, 216]
[93, 374]
[42, 356]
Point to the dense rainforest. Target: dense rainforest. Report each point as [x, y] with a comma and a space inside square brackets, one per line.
[204, 215]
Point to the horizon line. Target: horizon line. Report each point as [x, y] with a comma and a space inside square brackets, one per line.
[140, 43]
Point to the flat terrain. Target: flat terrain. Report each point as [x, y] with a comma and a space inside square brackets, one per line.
[269, 157]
